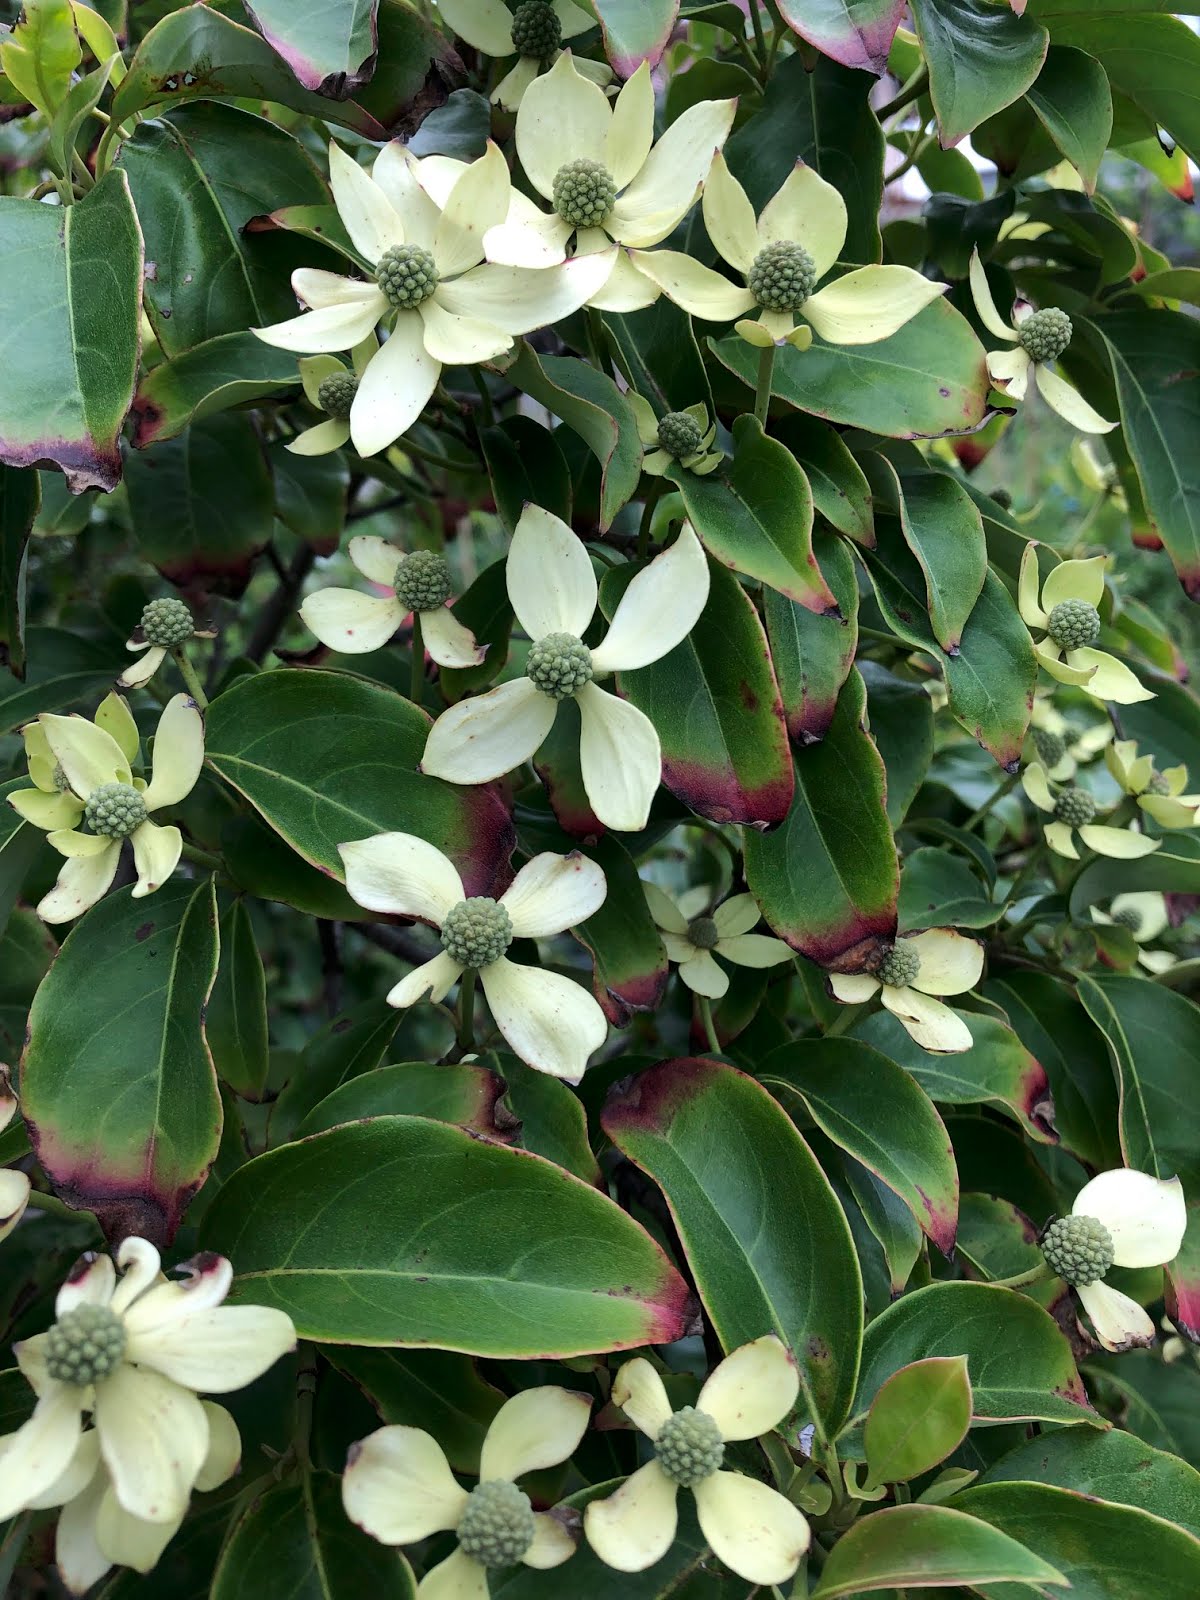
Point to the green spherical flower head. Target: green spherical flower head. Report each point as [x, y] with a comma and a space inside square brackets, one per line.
[702, 932]
[62, 784]
[1073, 624]
[1129, 917]
[1158, 784]
[497, 1526]
[1078, 1249]
[679, 434]
[559, 665]
[1050, 747]
[1075, 807]
[782, 276]
[689, 1447]
[407, 276]
[476, 932]
[900, 966]
[536, 30]
[584, 193]
[422, 581]
[1046, 334]
[85, 1345]
[335, 394]
[1002, 498]
[114, 810]
[166, 623]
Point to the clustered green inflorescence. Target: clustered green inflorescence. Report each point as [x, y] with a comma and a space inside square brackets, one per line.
[703, 933]
[1078, 1249]
[407, 275]
[1050, 747]
[536, 30]
[1045, 334]
[1073, 624]
[1075, 807]
[584, 193]
[335, 394]
[679, 435]
[476, 932]
[1129, 917]
[423, 581]
[114, 810]
[167, 623]
[1159, 784]
[900, 966]
[84, 1345]
[689, 1447]
[559, 665]
[497, 1527]
[782, 276]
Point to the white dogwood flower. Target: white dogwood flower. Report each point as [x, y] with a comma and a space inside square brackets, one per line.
[346, 620]
[132, 1351]
[420, 225]
[916, 968]
[117, 806]
[1067, 612]
[14, 1185]
[684, 436]
[551, 1022]
[1159, 794]
[692, 937]
[1145, 916]
[1062, 746]
[751, 1527]
[1073, 811]
[399, 1488]
[608, 182]
[165, 625]
[1039, 337]
[52, 803]
[553, 592]
[532, 30]
[1119, 1219]
[331, 386]
[782, 255]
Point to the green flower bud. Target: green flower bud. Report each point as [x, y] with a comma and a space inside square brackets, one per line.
[900, 966]
[85, 1345]
[1073, 623]
[584, 193]
[407, 276]
[702, 932]
[1046, 334]
[1075, 807]
[476, 932]
[1050, 747]
[422, 581]
[1158, 784]
[1129, 917]
[497, 1527]
[1002, 498]
[114, 810]
[559, 665]
[679, 434]
[1078, 1249]
[335, 394]
[782, 276]
[536, 30]
[166, 623]
[689, 1447]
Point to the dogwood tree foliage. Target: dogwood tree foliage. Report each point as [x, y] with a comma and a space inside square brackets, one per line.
[596, 880]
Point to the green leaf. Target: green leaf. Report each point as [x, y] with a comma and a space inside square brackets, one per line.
[1161, 1402]
[20, 845]
[329, 44]
[940, 890]
[296, 1539]
[117, 1084]
[1151, 352]
[813, 652]
[877, 1113]
[436, 1390]
[20, 497]
[756, 516]
[900, 718]
[460, 1093]
[1019, 1363]
[202, 504]
[310, 495]
[726, 1156]
[589, 402]
[917, 1419]
[485, 609]
[716, 706]
[346, 1048]
[924, 1546]
[856, 34]
[429, 1242]
[260, 863]
[944, 531]
[40, 54]
[525, 462]
[230, 370]
[839, 486]
[827, 879]
[1104, 1552]
[629, 964]
[77, 295]
[980, 57]
[1153, 61]
[236, 1022]
[553, 1121]
[634, 30]
[1174, 868]
[658, 353]
[62, 669]
[925, 381]
[325, 757]
[1074, 104]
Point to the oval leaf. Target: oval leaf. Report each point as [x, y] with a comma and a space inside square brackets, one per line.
[917, 1419]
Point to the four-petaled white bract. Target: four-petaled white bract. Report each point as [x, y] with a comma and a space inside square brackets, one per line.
[553, 592]
[751, 1527]
[732, 938]
[443, 208]
[950, 963]
[1095, 670]
[864, 306]
[1159, 794]
[1145, 1217]
[551, 1022]
[1121, 844]
[487, 24]
[1144, 913]
[398, 1485]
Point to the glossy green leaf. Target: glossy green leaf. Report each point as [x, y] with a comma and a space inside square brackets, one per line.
[329, 46]
[629, 964]
[20, 497]
[926, 1546]
[78, 292]
[41, 53]
[429, 1239]
[1153, 61]
[944, 531]
[998, 1241]
[20, 845]
[756, 515]
[634, 30]
[855, 34]
[923, 382]
[658, 352]
[900, 719]
[325, 757]
[1019, 1363]
[1074, 104]
[236, 1022]
[310, 495]
[917, 1419]
[460, 1093]
[117, 1083]
[1161, 1402]
[812, 652]
[260, 863]
[827, 879]
[436, 1390]
[940, 890]
[1174, 868]
[348, 1047]
[725, 1155]
[980, 57]
[552, 1120]
[839, 487]
[230, 370]
[484, 608]
[874, 1111]
[63, 668]
[524, 462]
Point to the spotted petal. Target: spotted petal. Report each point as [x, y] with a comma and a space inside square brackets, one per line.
[641, 1394]
[156, 853]
[154, 1439]
[354, 623]
[950, 962]
[40, 1451]
[927, 1021]
[448, 642]
[82, 881]
[178, 753]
